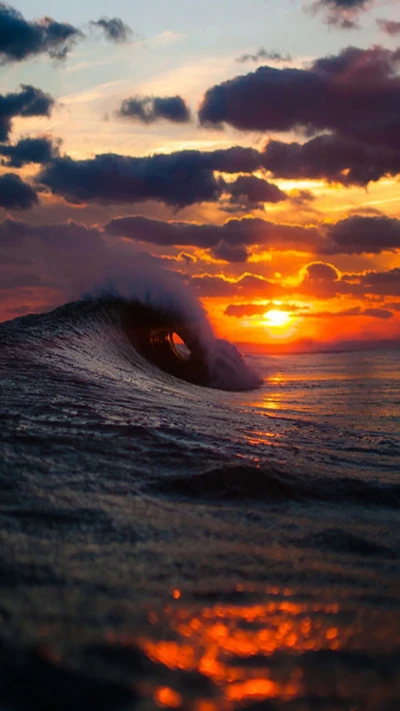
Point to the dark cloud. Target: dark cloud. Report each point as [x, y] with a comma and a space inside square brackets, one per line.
[359, 234]
[114, 29]
[152, 108]
[232, 253]
[331, 157]
[391, 27]
[64, 256]
[187, 177]
[175, 180]
[178, 179]
[342, 13]
[63, 235]
[377, 313]
[249, 285]
[254, 191]
[321, 271]
[228, 160]
[228, 242]
[354, 311]
[324, 282]
[20, 39]
[321, 281]
[28, 102]
[15, 194]
[355, 94]
[264, 54]
[29, 150]
[380, 283]
[393, 306]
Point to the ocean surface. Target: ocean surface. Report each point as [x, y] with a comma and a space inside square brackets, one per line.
[183, 529]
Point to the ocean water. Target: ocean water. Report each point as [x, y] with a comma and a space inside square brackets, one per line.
[184, 529]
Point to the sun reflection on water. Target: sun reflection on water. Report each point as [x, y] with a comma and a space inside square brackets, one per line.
[232, 646]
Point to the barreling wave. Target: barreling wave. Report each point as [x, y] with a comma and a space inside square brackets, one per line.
[168, 329]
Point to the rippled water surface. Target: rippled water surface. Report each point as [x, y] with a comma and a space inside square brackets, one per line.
[165, 545]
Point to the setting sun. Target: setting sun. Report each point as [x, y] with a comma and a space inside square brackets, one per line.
[277, 318]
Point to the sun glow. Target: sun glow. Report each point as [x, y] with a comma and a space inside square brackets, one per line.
[277, 318]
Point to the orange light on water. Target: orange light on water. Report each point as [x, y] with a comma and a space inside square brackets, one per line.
[168, 698]
[218, 641]
[253, 689]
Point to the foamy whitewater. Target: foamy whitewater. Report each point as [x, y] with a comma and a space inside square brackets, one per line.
[184, 528]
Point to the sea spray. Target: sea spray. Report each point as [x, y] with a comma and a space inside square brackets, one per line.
[168, 293]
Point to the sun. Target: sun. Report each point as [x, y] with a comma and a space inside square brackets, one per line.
[277, 318]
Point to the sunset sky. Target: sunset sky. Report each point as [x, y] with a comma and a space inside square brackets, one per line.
[252, 146]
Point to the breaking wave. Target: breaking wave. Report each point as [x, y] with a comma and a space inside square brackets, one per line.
[161, 323]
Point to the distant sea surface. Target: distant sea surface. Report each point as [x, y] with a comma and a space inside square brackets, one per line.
[174, 534]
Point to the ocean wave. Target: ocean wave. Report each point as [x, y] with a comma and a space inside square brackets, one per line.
[273, 484]
[175, 336]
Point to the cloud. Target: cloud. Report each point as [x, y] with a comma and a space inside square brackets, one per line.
[15, 194]
[393, 306]
[63, 235]
[186, 177]
[178, 179]
[114, 29]
[320, 280]
[67, 258]
[359, 234]
[391, 27]
[249, 285]
[111, 178]
[354, 311]
[150, 109]
[28, 102]
[330, 157]
[381, 283]
[323, 281]
[226, 252]
[355, 93]
[377, 313]
[264, 54]
[20, 39]
[342, 13]
[29, 150]
[228, 242]
[228, 160]
[253, 191]
[321, 271]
